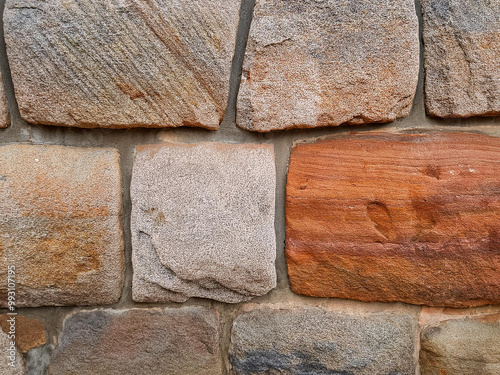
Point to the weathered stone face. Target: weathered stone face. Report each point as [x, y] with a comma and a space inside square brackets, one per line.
[396, 217]
[139, 341]
[462, 347]
[309, 340]
[120, 64]
[4, 112]
[203, 222]
[19, 366]
[462, 57]
[29, 333]
[60, 225]
[319, 63]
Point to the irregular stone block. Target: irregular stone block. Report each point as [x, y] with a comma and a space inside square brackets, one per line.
[121, 64]
[320, 63]
[29, 333]
[310, 340]
[462, 57]
[139, 341]
[13, 362]
[396, 217]
[203, 222]
[462, 347]
[60, 225]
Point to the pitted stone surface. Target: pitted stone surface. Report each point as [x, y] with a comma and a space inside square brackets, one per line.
[396, 217]
[60, 225]
[325, 63]
[203, 222]
[310, 340]
[4, 112]
[139, 341]
[462, 57]
[121, 64]
[462, 347]
[19, 365]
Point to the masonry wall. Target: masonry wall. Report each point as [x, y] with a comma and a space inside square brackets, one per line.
[210, 187]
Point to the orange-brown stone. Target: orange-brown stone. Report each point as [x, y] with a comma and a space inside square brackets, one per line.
[396, 217]
[60, 225]
[29, 333]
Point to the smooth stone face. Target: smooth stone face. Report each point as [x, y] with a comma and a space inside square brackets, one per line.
[60, 225]
[320, 63]
[462, 57]
[121, 64]
[29, 333]
[396, 217]
[308, 340]
[139, 341]
[203, 222]
[462, 347]
[11, 366]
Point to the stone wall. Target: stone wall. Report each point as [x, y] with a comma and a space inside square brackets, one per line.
[271, 187]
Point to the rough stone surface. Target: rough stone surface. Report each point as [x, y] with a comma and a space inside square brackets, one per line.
[19, 365]
[462, 347]
[120, 64]
[60, 225]
[396, 217]
[308, 340]
[462, 57]
[319, 63]
[139, 341]
[4, 112]
[30, 333]
[203, 222]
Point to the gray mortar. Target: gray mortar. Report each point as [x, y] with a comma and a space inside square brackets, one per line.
[125, 141]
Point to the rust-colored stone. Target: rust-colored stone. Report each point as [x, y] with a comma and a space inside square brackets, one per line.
[30, 333]
[396, 217]
[60, 225]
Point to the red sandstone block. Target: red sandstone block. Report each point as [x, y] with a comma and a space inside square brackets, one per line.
[396, 217]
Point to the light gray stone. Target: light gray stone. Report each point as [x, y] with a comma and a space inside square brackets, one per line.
[310, 340]
[203, 222]
[139, 341]
[10, 366]
[121, 63]
[328, 62]
[462, 346]
[60, 225]
[462, 57]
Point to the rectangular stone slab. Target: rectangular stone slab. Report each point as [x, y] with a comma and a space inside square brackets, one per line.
[462, 57]
[150, 341]
[121, 64]
[396, 217]
[61, 225]
[325, 63]
[281, 339]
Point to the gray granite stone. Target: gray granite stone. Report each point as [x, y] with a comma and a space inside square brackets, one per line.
[321, 341]
[139, 341]
[203, 222]
[328, 62]
[462, 57]
[123, 63]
